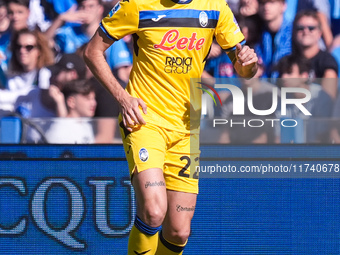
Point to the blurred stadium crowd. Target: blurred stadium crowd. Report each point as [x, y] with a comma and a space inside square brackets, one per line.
[43, 75]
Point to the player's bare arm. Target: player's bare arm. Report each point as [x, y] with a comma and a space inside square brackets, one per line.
[244, 60]
[94, 58]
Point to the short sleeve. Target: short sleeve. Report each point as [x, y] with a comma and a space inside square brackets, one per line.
[122, 20]
[228, 32]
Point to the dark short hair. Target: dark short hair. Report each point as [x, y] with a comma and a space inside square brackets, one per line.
[306, 13]
[77, 87]
[285, 64]
[25, 3]
[69, 62]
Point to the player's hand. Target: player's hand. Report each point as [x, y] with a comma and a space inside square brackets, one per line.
[131, 112]
[245, 56]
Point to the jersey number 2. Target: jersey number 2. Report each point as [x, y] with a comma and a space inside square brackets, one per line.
[182, 172]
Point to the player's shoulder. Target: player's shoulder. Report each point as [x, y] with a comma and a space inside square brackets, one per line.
[151, 5]
[126, 5]
[130, 3]
[218, 3]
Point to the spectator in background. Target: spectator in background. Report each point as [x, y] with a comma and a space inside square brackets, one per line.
[322, 9]
[109, 4]
[294, 72]
[120, 61]
[17, 13]
[276, 36]
[219, 68]
[335, 131]
[53, 8]
[248, 7]
[4, 35]
[20, 17]
[336, 55]
[37, 18]
[262, 94]
[41, 101]
[335, 16]
[335, 50]
[69, 67]
[234, 5]
[107, 110]
[76, 127]
[69, 38]
[251, 27]
[306, 36]
[3, 79]
[4, 20]
[31, 55]
[218, 64]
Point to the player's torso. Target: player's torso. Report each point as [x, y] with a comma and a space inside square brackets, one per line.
[171, 43]
[175, 38]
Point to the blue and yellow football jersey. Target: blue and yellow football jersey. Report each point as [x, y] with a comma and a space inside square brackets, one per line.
[172, 40]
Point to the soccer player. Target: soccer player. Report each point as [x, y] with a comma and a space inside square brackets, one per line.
[172, 39]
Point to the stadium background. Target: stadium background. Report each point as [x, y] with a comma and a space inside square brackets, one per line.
[233, 216]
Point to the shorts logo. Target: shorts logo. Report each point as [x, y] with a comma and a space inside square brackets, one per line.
[203, 19]
[114, 9]
[143, 155]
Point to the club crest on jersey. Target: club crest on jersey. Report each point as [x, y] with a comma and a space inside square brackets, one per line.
[114, 9]
[143, 155]
[203, 19]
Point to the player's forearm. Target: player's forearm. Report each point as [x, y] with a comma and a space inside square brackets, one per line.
[247, 71]
[244, 60]
[96, 62]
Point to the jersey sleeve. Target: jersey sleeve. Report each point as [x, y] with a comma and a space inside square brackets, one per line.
[122, 20]
[228, 32]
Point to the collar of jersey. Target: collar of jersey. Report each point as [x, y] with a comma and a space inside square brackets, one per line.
[182, 1]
